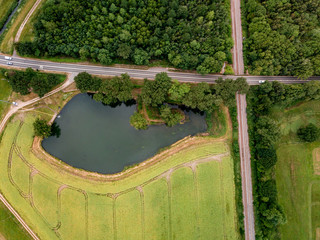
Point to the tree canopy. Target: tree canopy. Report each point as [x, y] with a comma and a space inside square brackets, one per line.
[155, 92]
[30, 80]
[138, 121]
[193, 34]
[283, 37]
[310, 133]
[118, 89]
[41, 128]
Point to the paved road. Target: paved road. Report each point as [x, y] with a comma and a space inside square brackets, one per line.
[136, 73]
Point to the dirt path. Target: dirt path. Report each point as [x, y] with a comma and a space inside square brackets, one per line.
[2, 237]
[17, 38]
[316, 161]
[22, 222]
[246, 179]
[10, 113]
[21, 105]
[237, 55]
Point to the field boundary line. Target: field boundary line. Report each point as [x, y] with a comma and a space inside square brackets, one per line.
[166, 174]
[223, 197]
[15, 213]
[140, 190]
[114, 218]
[193, 167]
[9, 166]
[169, 185]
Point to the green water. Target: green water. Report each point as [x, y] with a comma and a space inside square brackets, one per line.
[99, 138]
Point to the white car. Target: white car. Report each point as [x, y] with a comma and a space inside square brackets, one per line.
[262, 81]
[9, 63]
[8, 58]
[15, 103]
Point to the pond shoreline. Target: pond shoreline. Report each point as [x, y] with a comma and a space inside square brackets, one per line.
[99, 138]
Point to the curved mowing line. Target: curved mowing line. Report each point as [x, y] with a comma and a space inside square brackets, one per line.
[223, 200]
[193, 167]
[140, 190]
[166, 174]
[114, 219]
[86, 204]
[168, 178]
[9, 166]
[36, 209]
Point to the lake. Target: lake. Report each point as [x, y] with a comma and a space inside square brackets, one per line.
[99, 138]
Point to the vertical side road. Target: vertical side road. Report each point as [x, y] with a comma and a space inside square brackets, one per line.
[238, 66]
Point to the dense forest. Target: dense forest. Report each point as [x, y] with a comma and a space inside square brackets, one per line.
[189, 34]
[283, 37]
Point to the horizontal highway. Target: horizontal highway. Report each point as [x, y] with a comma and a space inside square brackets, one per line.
[19, 62]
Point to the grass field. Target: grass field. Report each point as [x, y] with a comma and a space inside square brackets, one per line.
[297, 183]
[188, 195]
[10, 228]
[6, 45]
[5, 91]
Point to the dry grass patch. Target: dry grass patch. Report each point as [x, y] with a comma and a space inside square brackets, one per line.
[316, 161]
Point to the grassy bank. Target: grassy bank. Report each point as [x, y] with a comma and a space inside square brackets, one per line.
[6, 8]
[7, 38]
[170, 198]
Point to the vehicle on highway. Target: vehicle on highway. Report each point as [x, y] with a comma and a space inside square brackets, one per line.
[8, 58]
[9, 63]
[15, 103]
[262, 81]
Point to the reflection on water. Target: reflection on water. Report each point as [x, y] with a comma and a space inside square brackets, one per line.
[99, 138]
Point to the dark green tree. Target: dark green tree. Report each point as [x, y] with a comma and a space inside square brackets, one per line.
[85, 82]
[117, 89]
[178, 90]
[41, 128]
[310, 133]
[170, 116]
[267, 157]
[141, 57]
[155, 92]
[19, 82]
[200, 97]
[138, 121]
